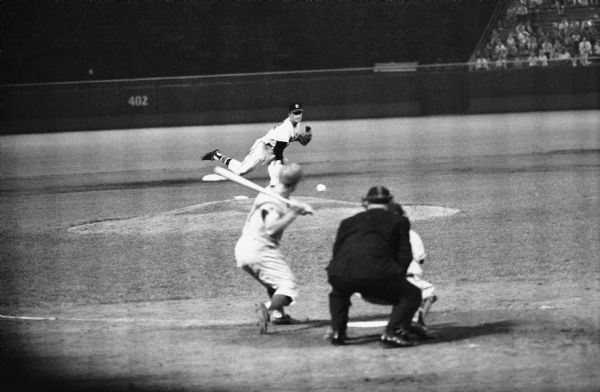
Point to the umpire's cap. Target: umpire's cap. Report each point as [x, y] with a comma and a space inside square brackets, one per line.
[378, 195]
[290, 174]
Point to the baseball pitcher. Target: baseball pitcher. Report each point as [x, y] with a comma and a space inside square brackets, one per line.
[269, 148]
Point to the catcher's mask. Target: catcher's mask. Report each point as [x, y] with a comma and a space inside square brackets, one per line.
[395, 208]
[378, 195]
[290, 174]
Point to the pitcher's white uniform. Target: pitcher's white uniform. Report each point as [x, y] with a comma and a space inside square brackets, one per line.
[258, 252]
[262, 149]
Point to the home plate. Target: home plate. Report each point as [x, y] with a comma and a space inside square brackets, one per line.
[368, 324]
[240, 197]
[213, 177]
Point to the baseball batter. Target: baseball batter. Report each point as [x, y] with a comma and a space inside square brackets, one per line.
[257, 251]
[269, 148]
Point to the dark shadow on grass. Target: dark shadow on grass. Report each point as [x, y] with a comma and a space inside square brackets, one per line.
[444, 333]
[312, 332]
[452, 332]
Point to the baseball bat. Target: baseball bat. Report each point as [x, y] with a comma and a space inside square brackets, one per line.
[228, 174]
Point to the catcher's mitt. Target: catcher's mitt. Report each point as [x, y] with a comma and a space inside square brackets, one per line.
[305, 137]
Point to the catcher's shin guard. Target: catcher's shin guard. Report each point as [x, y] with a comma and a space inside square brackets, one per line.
[421, 313]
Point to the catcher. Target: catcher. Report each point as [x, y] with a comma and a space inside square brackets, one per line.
[414, 274]
[269, 148]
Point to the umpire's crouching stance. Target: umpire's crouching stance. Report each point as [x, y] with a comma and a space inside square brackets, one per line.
[371, 254]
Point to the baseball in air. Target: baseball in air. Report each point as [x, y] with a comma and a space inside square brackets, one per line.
[321, 188]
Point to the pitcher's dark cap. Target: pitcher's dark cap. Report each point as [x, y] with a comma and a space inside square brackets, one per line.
[378, 195]
[295, 106]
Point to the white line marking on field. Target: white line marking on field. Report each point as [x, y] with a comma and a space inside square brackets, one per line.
[180, 322]
[27, 317]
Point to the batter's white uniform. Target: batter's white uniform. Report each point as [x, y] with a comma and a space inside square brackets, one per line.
[262, 150]
[258, 252]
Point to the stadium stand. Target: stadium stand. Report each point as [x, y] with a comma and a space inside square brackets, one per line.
[534, 33]
[47, 42]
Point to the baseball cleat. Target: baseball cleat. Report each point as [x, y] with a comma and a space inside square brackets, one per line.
[283, 320]
[396, 340]
[211, 155]
[263, 318]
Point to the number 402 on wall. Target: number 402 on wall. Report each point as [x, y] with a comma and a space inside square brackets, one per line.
[138, 100]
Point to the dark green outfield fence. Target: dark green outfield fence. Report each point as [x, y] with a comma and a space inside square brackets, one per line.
[327, 95]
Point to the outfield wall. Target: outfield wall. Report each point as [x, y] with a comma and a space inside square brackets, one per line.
[327, 95]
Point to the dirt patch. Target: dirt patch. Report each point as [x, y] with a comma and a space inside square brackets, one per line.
[207, 216]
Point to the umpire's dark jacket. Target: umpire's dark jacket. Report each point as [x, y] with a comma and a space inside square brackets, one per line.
[371, 245]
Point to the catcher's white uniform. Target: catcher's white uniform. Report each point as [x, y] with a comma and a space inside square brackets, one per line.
[415, 272]
[258, 252]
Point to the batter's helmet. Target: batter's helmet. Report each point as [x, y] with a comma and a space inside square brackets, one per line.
[378, 195]
[290, 174]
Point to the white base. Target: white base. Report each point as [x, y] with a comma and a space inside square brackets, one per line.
[368, 324]
[213, 177]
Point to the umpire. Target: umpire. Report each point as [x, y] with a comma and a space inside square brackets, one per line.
[371, 254]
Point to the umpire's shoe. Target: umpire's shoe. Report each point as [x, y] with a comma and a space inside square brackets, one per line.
[211, 155]
[338, 338]
[399, 339]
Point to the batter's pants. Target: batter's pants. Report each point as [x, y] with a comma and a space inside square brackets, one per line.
[398, 292]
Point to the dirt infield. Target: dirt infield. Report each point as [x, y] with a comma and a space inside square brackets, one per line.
[117, 270]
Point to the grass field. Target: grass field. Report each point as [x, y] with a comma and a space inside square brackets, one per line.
[117, 268]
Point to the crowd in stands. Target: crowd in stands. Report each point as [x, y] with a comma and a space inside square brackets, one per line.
[525, 38]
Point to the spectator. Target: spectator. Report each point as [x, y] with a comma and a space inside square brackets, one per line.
[512, 51]
[585, 49]
[510, 39]
[560, 6]
[574, 27]
[597, 48]
[501, 53]
[542, 59]
[562, 55]
[563, 27]
[532, 45]
[548, 49]
[521, 12]
[532, 60]
[558, 50]
[481, 63]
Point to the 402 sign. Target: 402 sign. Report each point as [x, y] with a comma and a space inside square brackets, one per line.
[138, 100]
